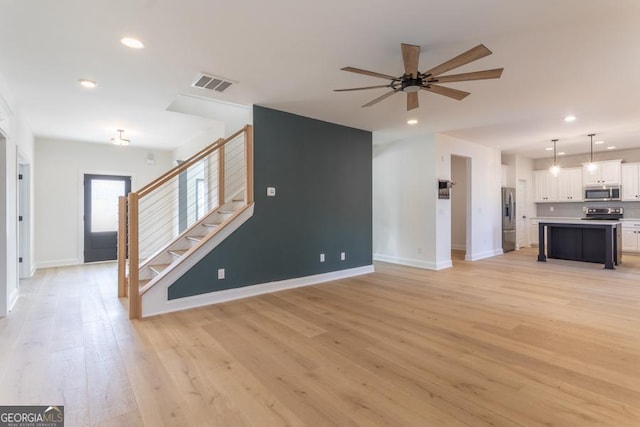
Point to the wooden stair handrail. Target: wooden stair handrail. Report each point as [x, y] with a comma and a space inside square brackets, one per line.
[188, 163]
[129, 209]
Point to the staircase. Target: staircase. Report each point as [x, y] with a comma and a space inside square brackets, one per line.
[173, 222]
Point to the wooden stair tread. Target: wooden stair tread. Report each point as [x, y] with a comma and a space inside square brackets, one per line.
[178, 252]
[211, 224]
[158, 268]
[195, 238]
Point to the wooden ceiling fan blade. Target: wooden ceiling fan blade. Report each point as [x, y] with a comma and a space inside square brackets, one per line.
[412, 100]
[410, 57]
[368, 73]
[471, 55]
[476, 75]
[360, 88]
[380, 98]
[447, 91]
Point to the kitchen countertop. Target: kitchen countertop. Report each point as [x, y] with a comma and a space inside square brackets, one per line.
[569, 218]
[580, 221]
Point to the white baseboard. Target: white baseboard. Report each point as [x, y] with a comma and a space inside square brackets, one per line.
[152, 308]
[58, 263]
[12, 299]
[482, 255]
[413, 262]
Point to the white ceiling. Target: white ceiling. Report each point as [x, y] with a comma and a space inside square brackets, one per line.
[560, 57]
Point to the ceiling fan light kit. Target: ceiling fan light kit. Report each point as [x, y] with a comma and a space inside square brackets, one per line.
[412, 81]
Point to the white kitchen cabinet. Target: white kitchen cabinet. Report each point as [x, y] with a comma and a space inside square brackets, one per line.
[606, 173]
[631, 236]
[566, 187]
[570, 185]
[546, 186]
[630, 181]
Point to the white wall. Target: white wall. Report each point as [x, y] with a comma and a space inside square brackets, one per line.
[521, 168]
[17, 138]
[58, 190]
[410, 224]
[484, 238]
[197, 143]
[459, 203]
[404, 202]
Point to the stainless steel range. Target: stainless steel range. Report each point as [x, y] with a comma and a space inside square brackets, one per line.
[605, 214]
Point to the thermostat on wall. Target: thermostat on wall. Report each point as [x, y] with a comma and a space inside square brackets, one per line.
[271, 191]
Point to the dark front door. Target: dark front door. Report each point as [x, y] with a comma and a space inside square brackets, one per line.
[101, 194]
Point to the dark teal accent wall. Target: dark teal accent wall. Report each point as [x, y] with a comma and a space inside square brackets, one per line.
[322, 175]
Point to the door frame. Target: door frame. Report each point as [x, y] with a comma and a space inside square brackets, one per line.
[522, 209]
[81, 175]
[23, 192]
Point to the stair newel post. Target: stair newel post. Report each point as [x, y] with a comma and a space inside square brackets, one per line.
[122, 246]
[248, 156]
[221, 175]
[134, 258]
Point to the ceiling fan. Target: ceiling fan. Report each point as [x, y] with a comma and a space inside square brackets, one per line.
[412, 80]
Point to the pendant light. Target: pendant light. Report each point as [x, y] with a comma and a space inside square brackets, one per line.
[555, 168]
[591, 167]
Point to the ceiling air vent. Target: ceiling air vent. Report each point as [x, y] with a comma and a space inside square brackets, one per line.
[209, 82]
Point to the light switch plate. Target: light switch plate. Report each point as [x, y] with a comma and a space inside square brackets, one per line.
[220, 273]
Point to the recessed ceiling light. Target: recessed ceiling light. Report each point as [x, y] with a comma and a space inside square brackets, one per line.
[562, 153]
[412, 122]
[570, 119]
[611, 147]
[89, 84]
[132, 43]
[598, 142]
[548, 149]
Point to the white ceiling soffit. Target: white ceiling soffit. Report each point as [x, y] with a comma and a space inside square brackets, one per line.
[233, 116]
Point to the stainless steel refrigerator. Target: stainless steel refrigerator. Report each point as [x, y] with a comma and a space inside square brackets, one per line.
[508, 219]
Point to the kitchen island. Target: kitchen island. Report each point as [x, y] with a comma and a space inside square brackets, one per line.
[581, 240]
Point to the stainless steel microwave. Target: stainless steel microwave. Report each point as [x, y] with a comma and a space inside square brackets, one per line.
[602, 193]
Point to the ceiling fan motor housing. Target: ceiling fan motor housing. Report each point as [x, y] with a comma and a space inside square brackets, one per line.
[409, 84]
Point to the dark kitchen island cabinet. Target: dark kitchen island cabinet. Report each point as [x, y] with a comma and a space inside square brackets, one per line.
[582, 240]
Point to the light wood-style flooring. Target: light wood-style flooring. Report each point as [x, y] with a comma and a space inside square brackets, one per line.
[505, 341]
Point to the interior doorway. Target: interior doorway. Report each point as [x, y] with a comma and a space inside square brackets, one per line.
[24, 219]
[101, 193]
[460, 193]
